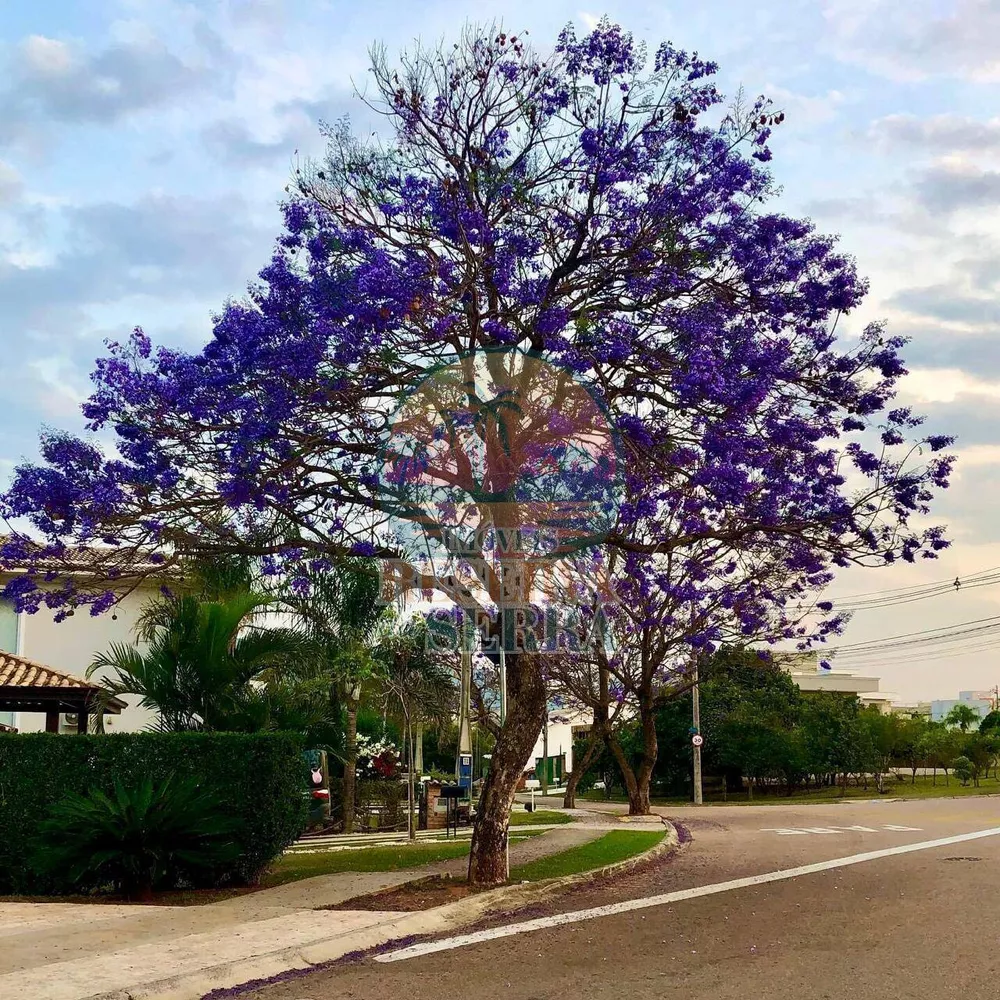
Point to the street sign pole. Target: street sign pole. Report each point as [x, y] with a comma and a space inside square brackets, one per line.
[696, 739]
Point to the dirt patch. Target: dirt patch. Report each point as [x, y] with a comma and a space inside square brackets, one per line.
[422, 894]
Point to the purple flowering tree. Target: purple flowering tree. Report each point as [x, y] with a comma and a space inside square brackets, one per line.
[670, 611]
[589, 212]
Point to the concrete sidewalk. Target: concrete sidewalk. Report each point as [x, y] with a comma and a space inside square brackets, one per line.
[68, 951]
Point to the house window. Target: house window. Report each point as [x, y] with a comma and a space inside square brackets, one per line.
[8, 643]
[8, 627]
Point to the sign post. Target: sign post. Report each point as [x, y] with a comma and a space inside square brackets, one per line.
[696, 738]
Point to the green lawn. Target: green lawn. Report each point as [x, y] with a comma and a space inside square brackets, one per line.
[614, 846]
[295, 865]
[521, 817]
[924, 787]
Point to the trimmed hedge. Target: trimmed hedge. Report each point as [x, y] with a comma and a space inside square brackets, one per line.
[258, 778]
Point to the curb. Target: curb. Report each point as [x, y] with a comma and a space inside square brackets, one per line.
[231, 979]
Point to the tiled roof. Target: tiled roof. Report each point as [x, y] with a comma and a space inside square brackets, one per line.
[15, 671]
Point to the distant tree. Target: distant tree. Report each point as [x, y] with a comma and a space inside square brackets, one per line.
[963, 716]
[879, 737]
[828, 734]
[910, 744]
[980, 750]
[963, 769]
[990, 723]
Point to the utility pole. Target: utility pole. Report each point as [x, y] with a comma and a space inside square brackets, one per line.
[463, 759]
[545, 750]
[696, 738]
[503, 683]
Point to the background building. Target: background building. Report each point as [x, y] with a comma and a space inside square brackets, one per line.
[982, 702]
[807, 673]
[69, 647]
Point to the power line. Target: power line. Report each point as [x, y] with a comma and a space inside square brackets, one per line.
[920, 586]
[894, 602]
[923, 632]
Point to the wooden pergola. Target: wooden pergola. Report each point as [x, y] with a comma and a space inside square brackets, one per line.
[26, 686]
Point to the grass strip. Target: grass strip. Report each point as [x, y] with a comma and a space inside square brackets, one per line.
[618, 845]
[546, 816]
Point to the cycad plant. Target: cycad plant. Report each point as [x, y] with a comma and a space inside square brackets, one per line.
[143, 836]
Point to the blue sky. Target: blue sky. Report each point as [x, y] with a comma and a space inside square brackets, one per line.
[144, 145]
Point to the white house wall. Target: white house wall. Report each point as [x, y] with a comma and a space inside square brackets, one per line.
[71, 645]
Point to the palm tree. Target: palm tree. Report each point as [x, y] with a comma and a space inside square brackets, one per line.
[201, 660]
[963, 716]
[341, 611]
[418, 683]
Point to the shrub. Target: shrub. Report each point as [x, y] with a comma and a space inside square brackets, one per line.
[256, 778]
[963, 769]
[151, 835]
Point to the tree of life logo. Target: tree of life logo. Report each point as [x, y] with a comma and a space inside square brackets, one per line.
[501, 480]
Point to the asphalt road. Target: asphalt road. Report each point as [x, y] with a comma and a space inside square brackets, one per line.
[916, 925]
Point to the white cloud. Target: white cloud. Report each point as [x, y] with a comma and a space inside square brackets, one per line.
[946, 385]
[938, 134]
[804, 110]
[46, 56]
[10, 184]
[978, 455]
[914, 39]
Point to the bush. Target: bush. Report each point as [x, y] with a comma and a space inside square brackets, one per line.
[140, 838]
[963, 769]
[256, 778]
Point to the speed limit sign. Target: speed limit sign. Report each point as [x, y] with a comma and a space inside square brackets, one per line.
[697, 740]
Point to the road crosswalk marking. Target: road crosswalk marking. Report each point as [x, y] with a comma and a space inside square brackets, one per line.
[805, 831]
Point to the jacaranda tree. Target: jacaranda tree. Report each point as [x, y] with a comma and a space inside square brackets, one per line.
[545, 318]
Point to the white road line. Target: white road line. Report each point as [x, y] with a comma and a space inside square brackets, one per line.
[785, 831]
[613, 909]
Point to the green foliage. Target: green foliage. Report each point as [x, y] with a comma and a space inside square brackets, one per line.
[980, 749]
[199, 660]
[144, 836]
[963, 769]
[965, 717]
[990, 723]
[257, 779]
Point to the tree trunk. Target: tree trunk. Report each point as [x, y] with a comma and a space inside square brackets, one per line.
[580, 767]
[350, 764]
[639, 805]
[638, 780]
[526, 709]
